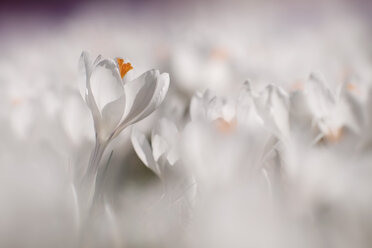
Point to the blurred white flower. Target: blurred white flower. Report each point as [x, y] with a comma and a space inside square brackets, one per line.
[272, 106]
[162, 157]
[207, 107]
[331, 112]
[200, 68]
[162, 150]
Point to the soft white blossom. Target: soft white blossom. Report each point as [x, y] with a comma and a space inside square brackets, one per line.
[114, 102]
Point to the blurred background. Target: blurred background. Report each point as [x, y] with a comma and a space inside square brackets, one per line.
[213, 45]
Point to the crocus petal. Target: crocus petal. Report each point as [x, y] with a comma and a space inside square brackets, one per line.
[196, 108]
[164, 139]
[167, 130]
[85, 69]
[86, 66]
[139, 93]
[111, 116]
[272, 106]
[246, 113]
[320, 98]
[173, 156]
[143, 96]
[143, 150]
[162, 85]
[93, 108]
[299, 111]
[159, 146]
[199, 105]
[106, 83]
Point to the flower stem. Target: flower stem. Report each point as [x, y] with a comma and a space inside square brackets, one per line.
[95, 158]
[89, 179]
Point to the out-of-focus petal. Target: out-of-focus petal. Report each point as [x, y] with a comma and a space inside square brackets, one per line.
[159, 146]
[143, 150]
[199, 105]
[272, 106]
[164, 139]
[320, 98]
[167, 130]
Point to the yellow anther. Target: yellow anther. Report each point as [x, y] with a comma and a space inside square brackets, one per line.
[335, 135]
[351, 87]
[219, 53]
[16, 101]
[298, 85]
[123, 67]
[224, 126]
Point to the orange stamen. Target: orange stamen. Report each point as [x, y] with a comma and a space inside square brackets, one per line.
[123, 67]
[219, 53]
[298, 85]
[16, 101]
[352, 87]
[224, 126]
[334, 135]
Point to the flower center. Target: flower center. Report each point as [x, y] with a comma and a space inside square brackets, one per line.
[352, 87]
[224, 126]
[335, 135]
[297, 86]
[219, 53]
[123, 67]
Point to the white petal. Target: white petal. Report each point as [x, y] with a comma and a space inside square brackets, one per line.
[197, 110]
[245, 110]
[199, 105]
[111, 116]
[164, 139]
[159, 146]
[173, 156]
[85, 68]
[300, 115]
[143, 150]
[161, 90]
[94, 109]
[106, 83]
[165, 129]
[320, 98]
[272, 106]
[144, 98]
[139, 93]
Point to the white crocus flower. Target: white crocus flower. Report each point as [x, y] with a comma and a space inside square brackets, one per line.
[162, 157]
[226, 113]
[272, 105]
[163, 148]
[115, 101]
[331, 112]
[207, 107]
